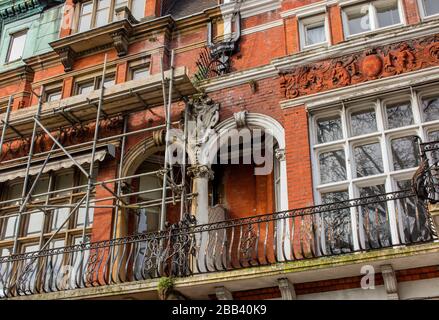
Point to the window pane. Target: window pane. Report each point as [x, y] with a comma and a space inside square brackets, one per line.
[8, 227]
[35, 223]
[404, 153]
[374, 220]
[15, 191]
[16, 46]
[363, 122]
[138, 9]
[329, 130]
[81, 215]
[102, 13]
[434, 136]
[332, 166]
[399, 115]
[58, 217]
[85, 17]
[85, 88]
[358, 20]
[54, 96]
[337, 224]
[4, 252]
[413, 216]
[63, 181]
[368, 159]
[141, 73]
[430, 108]
[431, 7]
[42, 186]
[387, 14]
[315, 34]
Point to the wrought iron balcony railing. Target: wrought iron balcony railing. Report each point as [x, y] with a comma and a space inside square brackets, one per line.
[371, 223]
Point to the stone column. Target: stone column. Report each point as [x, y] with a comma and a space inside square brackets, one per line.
[201, 174]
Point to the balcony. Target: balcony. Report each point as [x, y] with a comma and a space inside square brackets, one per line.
[187, 249]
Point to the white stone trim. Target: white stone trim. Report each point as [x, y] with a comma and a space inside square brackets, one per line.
[286, 289]
[312, 9]
[262, 27]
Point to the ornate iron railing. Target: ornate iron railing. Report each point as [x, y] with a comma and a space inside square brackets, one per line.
[370, 223]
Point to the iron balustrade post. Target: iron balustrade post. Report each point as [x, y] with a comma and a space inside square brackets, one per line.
[93, 152]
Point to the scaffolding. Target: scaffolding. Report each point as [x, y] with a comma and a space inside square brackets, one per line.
[105, 103]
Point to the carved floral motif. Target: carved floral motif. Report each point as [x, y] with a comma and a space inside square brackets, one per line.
[66, 136]
[351, 69]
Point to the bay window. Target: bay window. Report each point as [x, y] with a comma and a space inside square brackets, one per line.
[371, 15]
[97, 13]
[369, 148]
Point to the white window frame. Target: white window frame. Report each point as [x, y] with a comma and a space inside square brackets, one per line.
[373, 19]
[313, 20]
[390, 176]
[423, 13]
[13, 36]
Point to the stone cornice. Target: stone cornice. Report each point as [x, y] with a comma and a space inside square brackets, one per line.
[15, 9]
[15, 75]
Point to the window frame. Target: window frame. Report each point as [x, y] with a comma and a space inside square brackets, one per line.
[313, 20]
[423, 13]
[373, 18]
[13, 36]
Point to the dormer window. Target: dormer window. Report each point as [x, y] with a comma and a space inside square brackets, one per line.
[16, 46]
[97, 13]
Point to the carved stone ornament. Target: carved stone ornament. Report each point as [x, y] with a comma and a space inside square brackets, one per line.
[120, 42]
[66, 136]
[201, 171]
[240, 118]
[203, 116]
[356, 68]
[158, 136]
[67, 56]
[280, 154]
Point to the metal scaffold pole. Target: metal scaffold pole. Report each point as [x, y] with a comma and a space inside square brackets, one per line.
[168, 128]
[6, 122]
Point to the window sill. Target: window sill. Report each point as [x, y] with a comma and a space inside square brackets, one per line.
[323, 45]
[372, 33]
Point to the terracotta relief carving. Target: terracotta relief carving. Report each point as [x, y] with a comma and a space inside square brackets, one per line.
[66, 136]
[351, 69]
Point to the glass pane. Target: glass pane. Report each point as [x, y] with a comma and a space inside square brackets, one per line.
[138, 9]
[431, 7]
[41, 187]
[363, 122]
[16, 46]
[35, 223]
[63, 181]
[58, 217]
[332, 166]
[434, 136]
[373, 220]
[413, 217]
[404, 153]
[368, 159]
[4, 252]
[315, 34]
[387, 14]
[85, 17]
[54, 96]
[15, 191]
[102, 13]
[142, 73]
[85, 88]
[80, 216]
[329, 130]
[399, 115]
[430, 108]
[358, 20]
[8, 225]
[337, 224]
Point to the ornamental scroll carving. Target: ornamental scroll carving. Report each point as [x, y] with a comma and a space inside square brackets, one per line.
[351, 69]
[66, 136]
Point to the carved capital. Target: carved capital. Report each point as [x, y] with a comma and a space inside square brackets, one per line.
[120, 42]
[201, 171]
[390, 282]
[240, 118]
[286, 289]
[67, 56]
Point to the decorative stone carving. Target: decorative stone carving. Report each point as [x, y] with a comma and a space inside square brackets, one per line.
[203, 116]
[351, 69]
[66, 136]
[201, 171]
[280, 154]
[223, 294]
[241, 118]
[286, 289]
[159, 137]
[390, 282]
[67, 56]
[120, 42]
